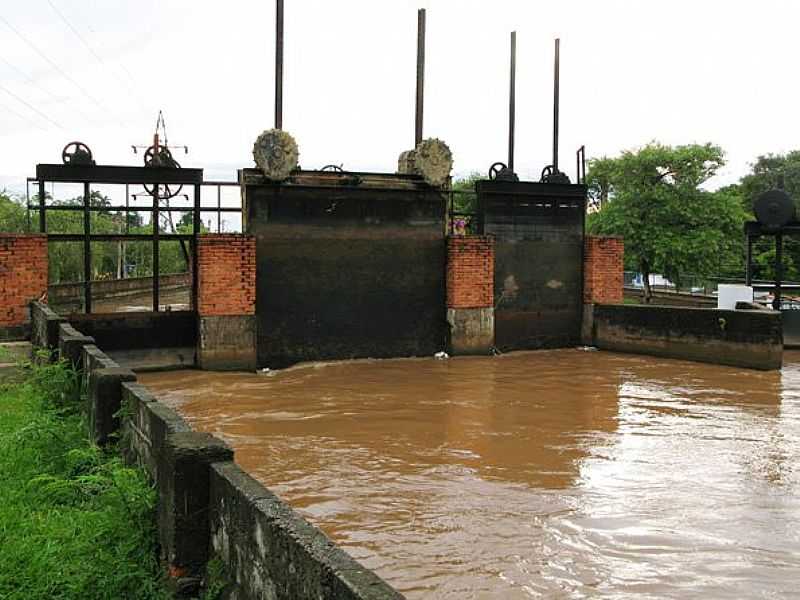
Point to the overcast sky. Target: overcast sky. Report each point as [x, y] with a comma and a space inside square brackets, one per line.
[631, 71]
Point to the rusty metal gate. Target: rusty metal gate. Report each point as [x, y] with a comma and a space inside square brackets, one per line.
[538, 279]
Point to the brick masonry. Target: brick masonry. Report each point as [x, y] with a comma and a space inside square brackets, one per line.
[226, 302]
[226, 275]
[23, 276]
[470, 271]
[602, 270]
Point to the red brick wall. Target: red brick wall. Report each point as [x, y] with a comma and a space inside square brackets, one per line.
[23, 275]
[602, 270]
[226, 275]
[470, 271]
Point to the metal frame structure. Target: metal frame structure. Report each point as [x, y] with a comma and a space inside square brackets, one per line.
[754, 230]
[127, 176]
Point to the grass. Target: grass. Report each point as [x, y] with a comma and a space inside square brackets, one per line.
[75, 522]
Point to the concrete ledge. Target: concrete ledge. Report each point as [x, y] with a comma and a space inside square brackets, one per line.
[105, 401]
[272, 552]
[183, 508]
[94, 358]
[71, 343]
[15, 333]
[471, 330]
[750, 339]
[227, 343]
[146, 426]
[44, 327]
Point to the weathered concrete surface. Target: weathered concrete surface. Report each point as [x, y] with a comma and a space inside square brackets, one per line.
[44, 327]
[146, 426]
[68, 297]
[587, 325]
[131, 331]
[94, 358]
[272, 552]
[471, 330]
[183, 508]
[15, 333]
[155, 359]
[105, 401]
[12, 354]
[751, 339]
[227, 343]
[348, 266]
[538, 273]
[70, 345]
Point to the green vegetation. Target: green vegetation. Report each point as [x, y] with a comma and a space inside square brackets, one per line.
[75, 522]
[110, 260]
[654, 197]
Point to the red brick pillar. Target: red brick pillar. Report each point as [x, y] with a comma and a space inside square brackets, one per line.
[470, 294]
[23, 278]
[602, 270]
[603, 264]
[226, 301]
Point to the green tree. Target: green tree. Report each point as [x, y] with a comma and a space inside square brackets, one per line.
[13, 218]
[654, 199]
[764, 176]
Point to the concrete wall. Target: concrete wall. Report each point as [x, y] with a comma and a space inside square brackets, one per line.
[68, 297]
[23, 278]
[143, 340]
[741, 338]
[349, 266]
[538, 273]
[207, 507]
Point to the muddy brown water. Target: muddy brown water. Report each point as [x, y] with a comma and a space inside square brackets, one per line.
[543, 474]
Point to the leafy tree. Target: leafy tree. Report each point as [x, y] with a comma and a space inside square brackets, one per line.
[765, 173]
[465, 202]
[13, 218]
[671, 225]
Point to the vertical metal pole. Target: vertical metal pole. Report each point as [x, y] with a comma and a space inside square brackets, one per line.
[555, 105]
[196, 222]
[748, 270]
[776, 302]
[27, 206]
[278, 64]
[583, 164]
[87, 250]
[156, 219]
[219, 207]
[42, 217]
[127, 207]
[420, 76]
[512, 100]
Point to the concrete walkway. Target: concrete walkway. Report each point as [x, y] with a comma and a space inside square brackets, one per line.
[11, 354]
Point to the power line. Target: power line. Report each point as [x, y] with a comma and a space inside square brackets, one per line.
[54, 65]
[96, 55]
[7, 108]
[29, 105]
[32, 82]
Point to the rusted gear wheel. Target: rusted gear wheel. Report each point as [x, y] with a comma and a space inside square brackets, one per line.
[161, 157]
[76, 153]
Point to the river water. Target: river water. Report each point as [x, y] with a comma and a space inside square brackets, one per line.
[543, 474]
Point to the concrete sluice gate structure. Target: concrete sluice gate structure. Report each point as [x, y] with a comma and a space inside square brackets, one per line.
[356, 265]
[349, 265]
